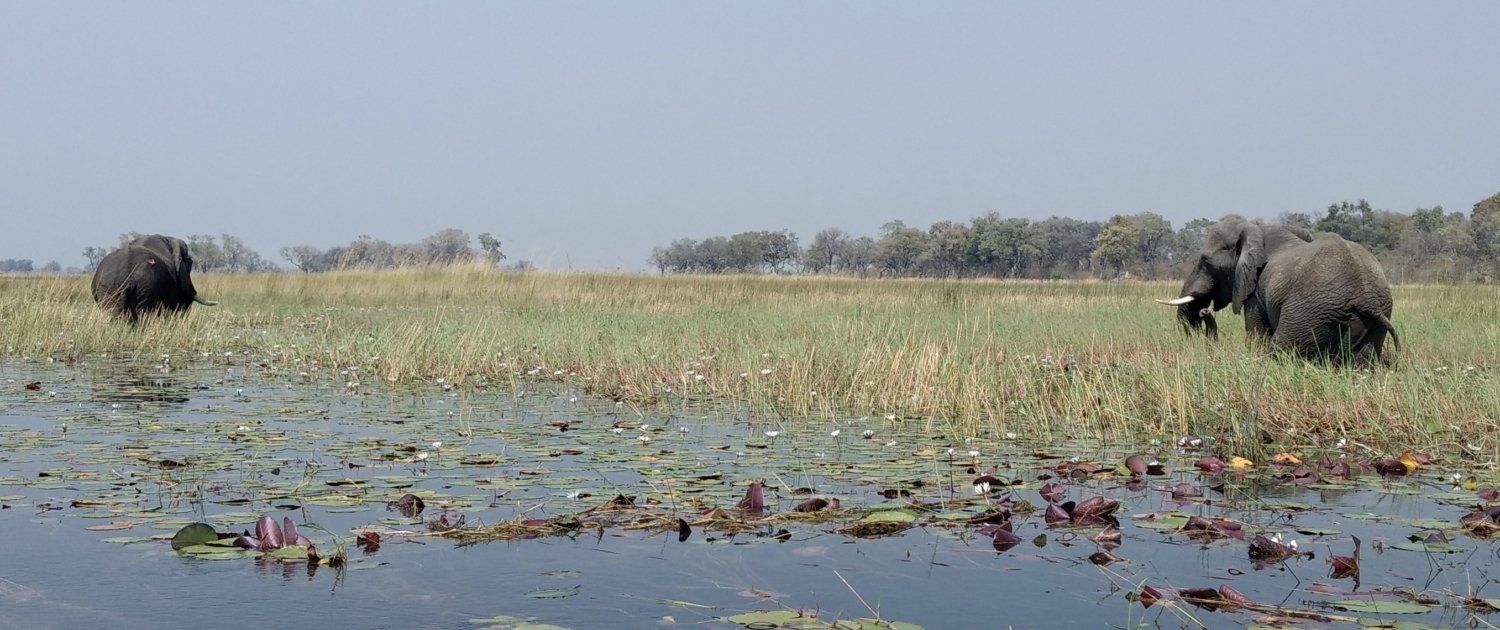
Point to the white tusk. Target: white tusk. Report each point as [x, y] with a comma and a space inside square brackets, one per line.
[204, 302]
[1177, 302]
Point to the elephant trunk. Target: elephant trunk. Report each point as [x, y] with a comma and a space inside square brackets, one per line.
[1195, 312]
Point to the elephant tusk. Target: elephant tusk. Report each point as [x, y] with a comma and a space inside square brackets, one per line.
[1177, 302]
[204, 302]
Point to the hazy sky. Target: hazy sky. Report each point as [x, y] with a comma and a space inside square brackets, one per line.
[586, 133]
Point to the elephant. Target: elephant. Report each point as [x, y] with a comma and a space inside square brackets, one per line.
[1323, 298]
[151, 274]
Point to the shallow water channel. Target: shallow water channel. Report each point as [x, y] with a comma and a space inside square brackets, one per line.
[102, 460]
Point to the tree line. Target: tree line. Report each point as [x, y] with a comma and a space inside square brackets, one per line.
[229, 254]
[1425, 245]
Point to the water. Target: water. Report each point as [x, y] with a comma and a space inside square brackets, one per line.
[223, 440]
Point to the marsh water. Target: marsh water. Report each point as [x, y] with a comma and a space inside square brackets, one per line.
[103, 459]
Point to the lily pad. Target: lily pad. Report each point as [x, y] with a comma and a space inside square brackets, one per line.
[195, 534]
[766, 618]
[1430, 547]
[1380, 606]
[890, 516]
[553, 593]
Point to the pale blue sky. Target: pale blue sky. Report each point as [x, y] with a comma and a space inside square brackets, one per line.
[589, 132]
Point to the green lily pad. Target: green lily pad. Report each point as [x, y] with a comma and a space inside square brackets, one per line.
[195, 534]
[766, 618]
[1435, 547]
[1380, 606]
[553, 593]
[865, 623]
[289, 553]
[890, 516]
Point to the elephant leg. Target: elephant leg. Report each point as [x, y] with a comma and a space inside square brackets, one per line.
[1309, 341]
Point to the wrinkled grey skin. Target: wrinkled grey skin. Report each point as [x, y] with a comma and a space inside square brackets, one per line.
[151, 274]
[1324, 298]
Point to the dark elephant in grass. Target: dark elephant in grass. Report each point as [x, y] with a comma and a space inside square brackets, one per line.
[1324, 298]
[151, 274]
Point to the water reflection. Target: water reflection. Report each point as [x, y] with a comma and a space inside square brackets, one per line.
[122, 384]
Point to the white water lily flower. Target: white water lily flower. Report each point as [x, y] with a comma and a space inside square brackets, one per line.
[437, 445]
[574, 495]
[697, 377]
[834, 433]
[890, 443]
[617, 430]
[974, 453]
[951, 451]
[869, 433]
[772, 434]
[422, 455]
[682, 429]
[982, 487]
[765, 371]
[1010, 435]
[645, 427]
[644, 438]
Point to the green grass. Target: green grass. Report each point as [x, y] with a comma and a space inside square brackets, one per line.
[1039, 359]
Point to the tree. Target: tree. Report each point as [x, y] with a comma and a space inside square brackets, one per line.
[826, 249]
[52, 267]
[207, 255]
[780, 250]
[711, 255]
[15, 265]
[238, 257]
[1117, 247]
[944, 256]
[446, 247]
[1484, 229]
[92, 255]
[491, 247]
[305, 258]
[859, 257]
[1156, 242]
[678, 257]
[366, 252]
[1295, 219]
[1189, 240]
[1068, 243]
[1003, 246]
[898, 249]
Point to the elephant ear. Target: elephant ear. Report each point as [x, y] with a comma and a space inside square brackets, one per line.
[1252, 258]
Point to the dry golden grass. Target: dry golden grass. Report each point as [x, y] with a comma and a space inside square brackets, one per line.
[1039, 359]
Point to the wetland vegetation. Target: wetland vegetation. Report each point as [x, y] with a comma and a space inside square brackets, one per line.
[963, 358]
[468, 447]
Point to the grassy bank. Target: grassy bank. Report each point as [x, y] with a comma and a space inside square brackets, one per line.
[1036, 359]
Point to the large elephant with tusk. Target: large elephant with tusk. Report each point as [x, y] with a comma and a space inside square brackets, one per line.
[151, 274]
[1324, 298]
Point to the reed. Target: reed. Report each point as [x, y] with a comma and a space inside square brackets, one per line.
[1041, 360]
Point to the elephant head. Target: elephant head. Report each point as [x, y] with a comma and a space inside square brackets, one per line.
[1227, 273]
[178, 262]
